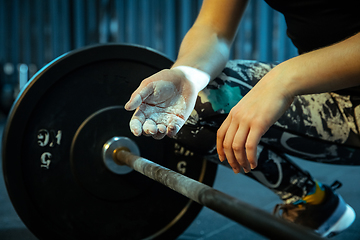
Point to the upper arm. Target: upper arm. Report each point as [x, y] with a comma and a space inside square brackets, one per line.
[222, 16]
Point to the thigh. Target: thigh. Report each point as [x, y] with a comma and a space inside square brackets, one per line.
[319, 127]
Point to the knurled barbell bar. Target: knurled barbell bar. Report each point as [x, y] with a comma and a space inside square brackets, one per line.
[58, 156]
[245, 214]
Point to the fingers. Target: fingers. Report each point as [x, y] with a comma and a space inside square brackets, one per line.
[140, 124]
[161, 128]
[136, 123]
[239, 147]
[154, 125]
[150, 127]
[238, 144]
[161, 132]
[220, 139]
[229, 151]
[252, 142]
[174, 126]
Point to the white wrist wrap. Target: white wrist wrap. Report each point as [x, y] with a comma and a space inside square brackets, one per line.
[198, 78]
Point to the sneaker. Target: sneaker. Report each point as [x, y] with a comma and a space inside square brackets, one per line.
[329, 218]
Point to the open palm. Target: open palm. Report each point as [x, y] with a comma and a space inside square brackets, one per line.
[163, 102]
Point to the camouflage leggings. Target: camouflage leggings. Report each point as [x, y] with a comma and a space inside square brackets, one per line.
[317, 127]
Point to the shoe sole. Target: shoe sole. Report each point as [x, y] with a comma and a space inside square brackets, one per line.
[342, 218]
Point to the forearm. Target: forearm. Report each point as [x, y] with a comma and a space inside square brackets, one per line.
[204, 50]
[207, 44]
[328, 69]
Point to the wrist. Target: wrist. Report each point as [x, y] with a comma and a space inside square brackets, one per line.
[199, 79]
[288, 79]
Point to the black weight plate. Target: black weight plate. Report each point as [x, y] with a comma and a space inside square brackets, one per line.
[52, 160]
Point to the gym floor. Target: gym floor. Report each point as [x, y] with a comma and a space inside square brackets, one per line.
[210, 225]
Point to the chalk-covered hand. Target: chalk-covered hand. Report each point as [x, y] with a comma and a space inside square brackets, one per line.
[163, 102]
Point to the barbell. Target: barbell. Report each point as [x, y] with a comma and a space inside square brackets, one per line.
[68, 157]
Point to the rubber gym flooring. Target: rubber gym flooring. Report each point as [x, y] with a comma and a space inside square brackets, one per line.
[210, 225]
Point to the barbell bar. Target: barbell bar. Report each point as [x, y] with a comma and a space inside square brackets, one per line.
[228, 206]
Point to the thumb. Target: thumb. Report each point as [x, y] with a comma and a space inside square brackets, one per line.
[133, 103]
[139, 96]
